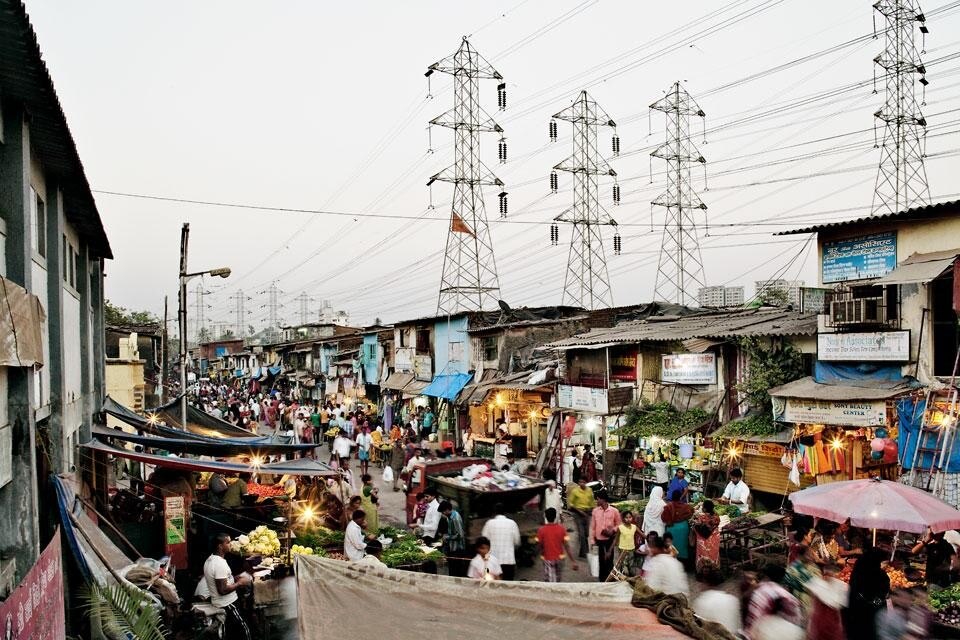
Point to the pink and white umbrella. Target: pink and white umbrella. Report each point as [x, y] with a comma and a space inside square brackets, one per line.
[877, 504]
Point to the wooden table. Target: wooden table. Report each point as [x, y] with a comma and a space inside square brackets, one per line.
[748, 543]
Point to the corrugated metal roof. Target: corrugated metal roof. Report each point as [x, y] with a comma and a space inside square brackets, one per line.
[920, 267]
[24, 78]
[808, 388]
[938, 210]
[711, 325]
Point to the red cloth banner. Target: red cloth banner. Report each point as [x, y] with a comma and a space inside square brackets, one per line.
[35, 608]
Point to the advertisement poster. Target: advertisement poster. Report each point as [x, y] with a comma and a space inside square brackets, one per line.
[689, 368]
[588, 399]
[35, 609]
[175, 530]
[869, 256]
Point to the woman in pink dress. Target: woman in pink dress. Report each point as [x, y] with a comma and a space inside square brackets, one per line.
[706, 528]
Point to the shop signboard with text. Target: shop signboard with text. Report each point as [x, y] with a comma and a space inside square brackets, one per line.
[849, 413]
[403, 360]
[689, 368]
[35, 609]
[875, 346]
[423, 368]
[868, 256]
[591, 399]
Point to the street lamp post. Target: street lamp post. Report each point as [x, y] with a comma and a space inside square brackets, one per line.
[185, 277]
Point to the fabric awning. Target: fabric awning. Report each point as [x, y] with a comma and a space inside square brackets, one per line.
[808, 388]
[293, 467]
[217, 449]
[21, 326]
[200, 425]
[447, 385]
[920, 268]
[397, 381]
[415, 388]
[700, 345]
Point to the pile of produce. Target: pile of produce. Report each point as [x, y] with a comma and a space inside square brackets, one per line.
[635, 506]
[405, 552]
[898, 579]
[264, 490]
[946, 604]
[320, 538]
[261, 541]
[742, 522]
[301, 550]
[660, 419]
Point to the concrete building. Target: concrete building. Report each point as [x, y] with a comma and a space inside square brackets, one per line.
[125, 377]
[791, 289]
[52, 243]
[720, 296]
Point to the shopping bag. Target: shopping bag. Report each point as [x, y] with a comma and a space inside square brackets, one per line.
[388, 474]
[593, 559]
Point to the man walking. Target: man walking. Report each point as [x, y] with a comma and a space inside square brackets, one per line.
[581, 503]
[504, 535]
[554, 541]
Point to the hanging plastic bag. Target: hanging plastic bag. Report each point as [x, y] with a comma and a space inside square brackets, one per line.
[388, 474]
[794, 473]
[593, 559]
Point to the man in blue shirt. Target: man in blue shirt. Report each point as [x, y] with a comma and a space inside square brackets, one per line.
[679, 483]
[428, 420]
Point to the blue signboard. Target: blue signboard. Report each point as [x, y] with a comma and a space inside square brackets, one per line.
[870, 256]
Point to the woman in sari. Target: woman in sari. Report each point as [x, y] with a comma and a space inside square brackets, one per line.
[369, 502]
[653, 514]
[676, 516]
[706, 528]
[588, 468]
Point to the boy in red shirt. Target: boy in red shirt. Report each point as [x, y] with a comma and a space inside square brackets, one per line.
[554, 541]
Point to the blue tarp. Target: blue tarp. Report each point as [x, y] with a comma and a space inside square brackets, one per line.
[837, 373]
[274, 370]
[447, 385]
[256, 373]
[238, 373]
[910, 420]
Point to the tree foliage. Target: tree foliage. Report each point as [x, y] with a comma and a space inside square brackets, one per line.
[114, 314]
[660, 419]
[769, 366]
[124, 611]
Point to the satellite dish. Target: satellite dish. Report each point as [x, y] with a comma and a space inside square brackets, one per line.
[503, 306]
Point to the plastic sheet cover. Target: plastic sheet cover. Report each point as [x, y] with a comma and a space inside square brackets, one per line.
[21, 320]
[339, 600]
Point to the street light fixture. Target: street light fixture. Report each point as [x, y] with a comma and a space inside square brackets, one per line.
[185, 277]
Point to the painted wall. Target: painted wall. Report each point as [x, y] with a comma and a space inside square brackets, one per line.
[371, 356]
[451, 346]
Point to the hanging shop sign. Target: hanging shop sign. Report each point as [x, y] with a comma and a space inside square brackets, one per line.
[623, 368]
[862, 413]
[766, 449]
[591, 399]
[175, 530]
[813, 300]
[403, 360]
[884, 346]
[35, 608]
[689, 368]
[868, 256]
[423, 368]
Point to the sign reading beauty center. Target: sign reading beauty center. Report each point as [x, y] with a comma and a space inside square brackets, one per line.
[860, 258]
[851, 413]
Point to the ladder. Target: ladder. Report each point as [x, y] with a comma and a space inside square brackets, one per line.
[935, 441]
[551, 456]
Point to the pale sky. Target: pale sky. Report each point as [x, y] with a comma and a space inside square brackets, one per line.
[323, 106]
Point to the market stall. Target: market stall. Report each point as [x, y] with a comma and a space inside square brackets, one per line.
[508, 414]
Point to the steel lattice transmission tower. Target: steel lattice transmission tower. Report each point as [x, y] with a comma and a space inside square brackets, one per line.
[680, 268]
[469, 281]
[587, 283]
[304, 300]
[273, 306]
[240, 312]
[902, 175]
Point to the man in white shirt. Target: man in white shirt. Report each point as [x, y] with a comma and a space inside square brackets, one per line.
[431, 519]
[223, 588]
[364, 444]
[737, 492]
[354, 546]
[341, 447]
[662, 572]
[661, 470]
[504, 536]
[552, 498]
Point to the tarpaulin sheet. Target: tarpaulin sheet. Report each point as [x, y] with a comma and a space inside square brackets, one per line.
[199, 422]
[122, 413]
[866, 372]
[412, 604]
[447, 385]
[21, 321]
[291, 467]
[217, 449]
[910, 421]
